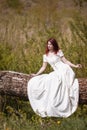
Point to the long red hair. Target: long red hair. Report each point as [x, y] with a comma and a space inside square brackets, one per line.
[55, 45]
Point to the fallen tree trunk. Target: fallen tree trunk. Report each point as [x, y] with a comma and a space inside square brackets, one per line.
[15, 84]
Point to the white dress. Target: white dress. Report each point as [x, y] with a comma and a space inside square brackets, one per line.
[54, 94]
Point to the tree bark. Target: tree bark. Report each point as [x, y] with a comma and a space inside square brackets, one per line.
[15, 84]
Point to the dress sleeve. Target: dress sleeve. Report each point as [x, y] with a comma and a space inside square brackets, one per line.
[60, 53]
[44, 58]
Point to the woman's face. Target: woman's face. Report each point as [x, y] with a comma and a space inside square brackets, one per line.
[50, 46]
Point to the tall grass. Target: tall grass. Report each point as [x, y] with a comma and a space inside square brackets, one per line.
[23, 51]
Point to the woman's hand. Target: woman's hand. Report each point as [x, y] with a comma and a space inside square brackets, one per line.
[78, 66]
[33, 75]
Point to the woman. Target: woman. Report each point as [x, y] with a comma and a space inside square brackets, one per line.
[54, 94]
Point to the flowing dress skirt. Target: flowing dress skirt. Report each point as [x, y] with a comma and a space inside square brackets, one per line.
[54, 94]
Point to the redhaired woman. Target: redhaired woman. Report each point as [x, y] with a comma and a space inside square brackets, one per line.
[55, 94]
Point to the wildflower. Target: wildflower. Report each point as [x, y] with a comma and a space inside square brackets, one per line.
[58, 122]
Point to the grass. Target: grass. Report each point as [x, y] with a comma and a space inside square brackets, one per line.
[27, 57]
[77, 121]
[18, 115]
[24, 31]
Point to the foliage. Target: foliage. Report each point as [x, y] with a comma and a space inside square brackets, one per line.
[18, 115]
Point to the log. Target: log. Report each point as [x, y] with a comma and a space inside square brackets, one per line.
[15, 84]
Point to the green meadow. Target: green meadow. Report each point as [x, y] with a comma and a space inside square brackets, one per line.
[25, 27]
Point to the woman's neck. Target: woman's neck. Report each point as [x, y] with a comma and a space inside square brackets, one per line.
[51, 51]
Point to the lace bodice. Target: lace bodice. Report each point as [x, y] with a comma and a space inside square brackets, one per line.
[52, 60]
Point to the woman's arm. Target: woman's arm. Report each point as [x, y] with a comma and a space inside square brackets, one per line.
[42, 69]
[70, 64]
